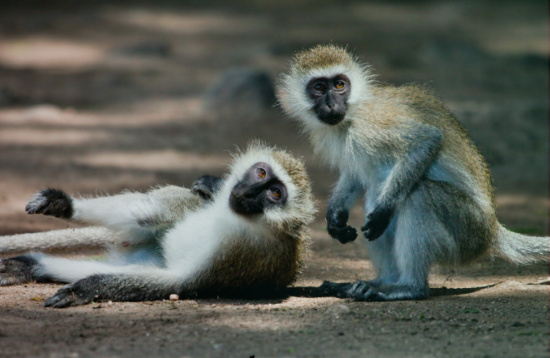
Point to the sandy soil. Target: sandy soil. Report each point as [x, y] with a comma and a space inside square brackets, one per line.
[98, 99]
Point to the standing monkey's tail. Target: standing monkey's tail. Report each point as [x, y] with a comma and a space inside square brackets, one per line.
[521, 249]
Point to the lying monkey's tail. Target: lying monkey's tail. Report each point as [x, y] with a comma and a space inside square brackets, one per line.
[521, 249]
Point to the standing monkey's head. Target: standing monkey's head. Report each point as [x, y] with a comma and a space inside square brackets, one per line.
[322, 85]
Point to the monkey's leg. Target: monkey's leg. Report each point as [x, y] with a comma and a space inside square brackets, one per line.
[43, 268]
[153, 285]
[381, 254]
[437, 223]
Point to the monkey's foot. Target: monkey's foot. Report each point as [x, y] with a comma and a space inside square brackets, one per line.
[331, 289]
[75, 294]
[17, 270]
[51, 202]
[370, 291]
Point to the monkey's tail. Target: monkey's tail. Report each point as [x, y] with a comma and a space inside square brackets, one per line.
[521, 249]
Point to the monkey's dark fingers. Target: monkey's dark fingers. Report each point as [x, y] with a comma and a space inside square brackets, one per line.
[371, 235]
[67, 297]
[343, 234]
[51, 202]
[361, 290]
[62, 298]
[377, 222]
[373, 230]
[331, 289]
[16, 270]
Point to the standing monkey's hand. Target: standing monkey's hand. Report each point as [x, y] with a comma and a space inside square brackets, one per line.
[377, 222]
[337, 228]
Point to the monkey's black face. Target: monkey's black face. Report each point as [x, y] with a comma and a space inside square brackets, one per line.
[258, 190]
[330, 97]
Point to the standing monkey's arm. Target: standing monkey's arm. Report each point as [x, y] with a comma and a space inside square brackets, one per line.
[345, 193]
[423, 144]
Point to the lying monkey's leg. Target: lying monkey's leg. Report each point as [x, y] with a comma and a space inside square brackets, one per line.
[43, 268]
[146, 286]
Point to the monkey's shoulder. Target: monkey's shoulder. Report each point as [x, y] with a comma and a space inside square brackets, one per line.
[404, 105]
[411, 95]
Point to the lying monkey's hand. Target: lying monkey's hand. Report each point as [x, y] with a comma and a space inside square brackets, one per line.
[337, 228]
[377, 222]
[51, 202]
[206, 186]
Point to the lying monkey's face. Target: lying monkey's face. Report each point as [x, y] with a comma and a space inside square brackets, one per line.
[257, 191]
[330, 97]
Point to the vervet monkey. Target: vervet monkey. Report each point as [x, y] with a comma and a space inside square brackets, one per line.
[249, 240]
[428, 191]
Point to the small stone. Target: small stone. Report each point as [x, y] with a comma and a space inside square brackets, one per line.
[110, 303]
[338, 310]
[174, 297]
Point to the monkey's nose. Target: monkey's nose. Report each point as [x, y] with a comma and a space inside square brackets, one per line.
[239, 191]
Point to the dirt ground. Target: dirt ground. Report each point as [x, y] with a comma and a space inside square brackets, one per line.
[100, 98]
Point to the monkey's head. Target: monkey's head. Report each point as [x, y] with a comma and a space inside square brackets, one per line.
[323, 85]
[269, 183]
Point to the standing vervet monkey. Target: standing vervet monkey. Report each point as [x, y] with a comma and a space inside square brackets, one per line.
[249, 239]
[428, 192]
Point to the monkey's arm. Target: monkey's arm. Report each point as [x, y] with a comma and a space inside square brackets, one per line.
[423, 143]
[134, 215]
[344, 195]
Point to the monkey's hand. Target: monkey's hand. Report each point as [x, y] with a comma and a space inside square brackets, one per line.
[337, 228]
[206, 186]
[377, 222]
[51, 202]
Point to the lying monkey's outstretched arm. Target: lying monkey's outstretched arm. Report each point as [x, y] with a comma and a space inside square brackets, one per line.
[134, 215]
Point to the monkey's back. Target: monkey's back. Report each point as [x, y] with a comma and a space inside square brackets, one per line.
[414, 102]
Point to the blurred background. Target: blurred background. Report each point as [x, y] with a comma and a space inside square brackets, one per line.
[96, 97]
[99, 96]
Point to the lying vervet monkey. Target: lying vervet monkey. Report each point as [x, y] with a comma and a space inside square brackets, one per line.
[243, 235]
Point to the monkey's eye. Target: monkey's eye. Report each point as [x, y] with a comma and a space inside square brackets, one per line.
[339, 85]
[319, 87]
[276, 192]
[261, 173]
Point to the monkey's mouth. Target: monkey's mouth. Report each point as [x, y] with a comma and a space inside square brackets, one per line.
[244, 207]
[331, 118]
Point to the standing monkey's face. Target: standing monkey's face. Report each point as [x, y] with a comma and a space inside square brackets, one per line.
[330, 97]
[257, 191]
